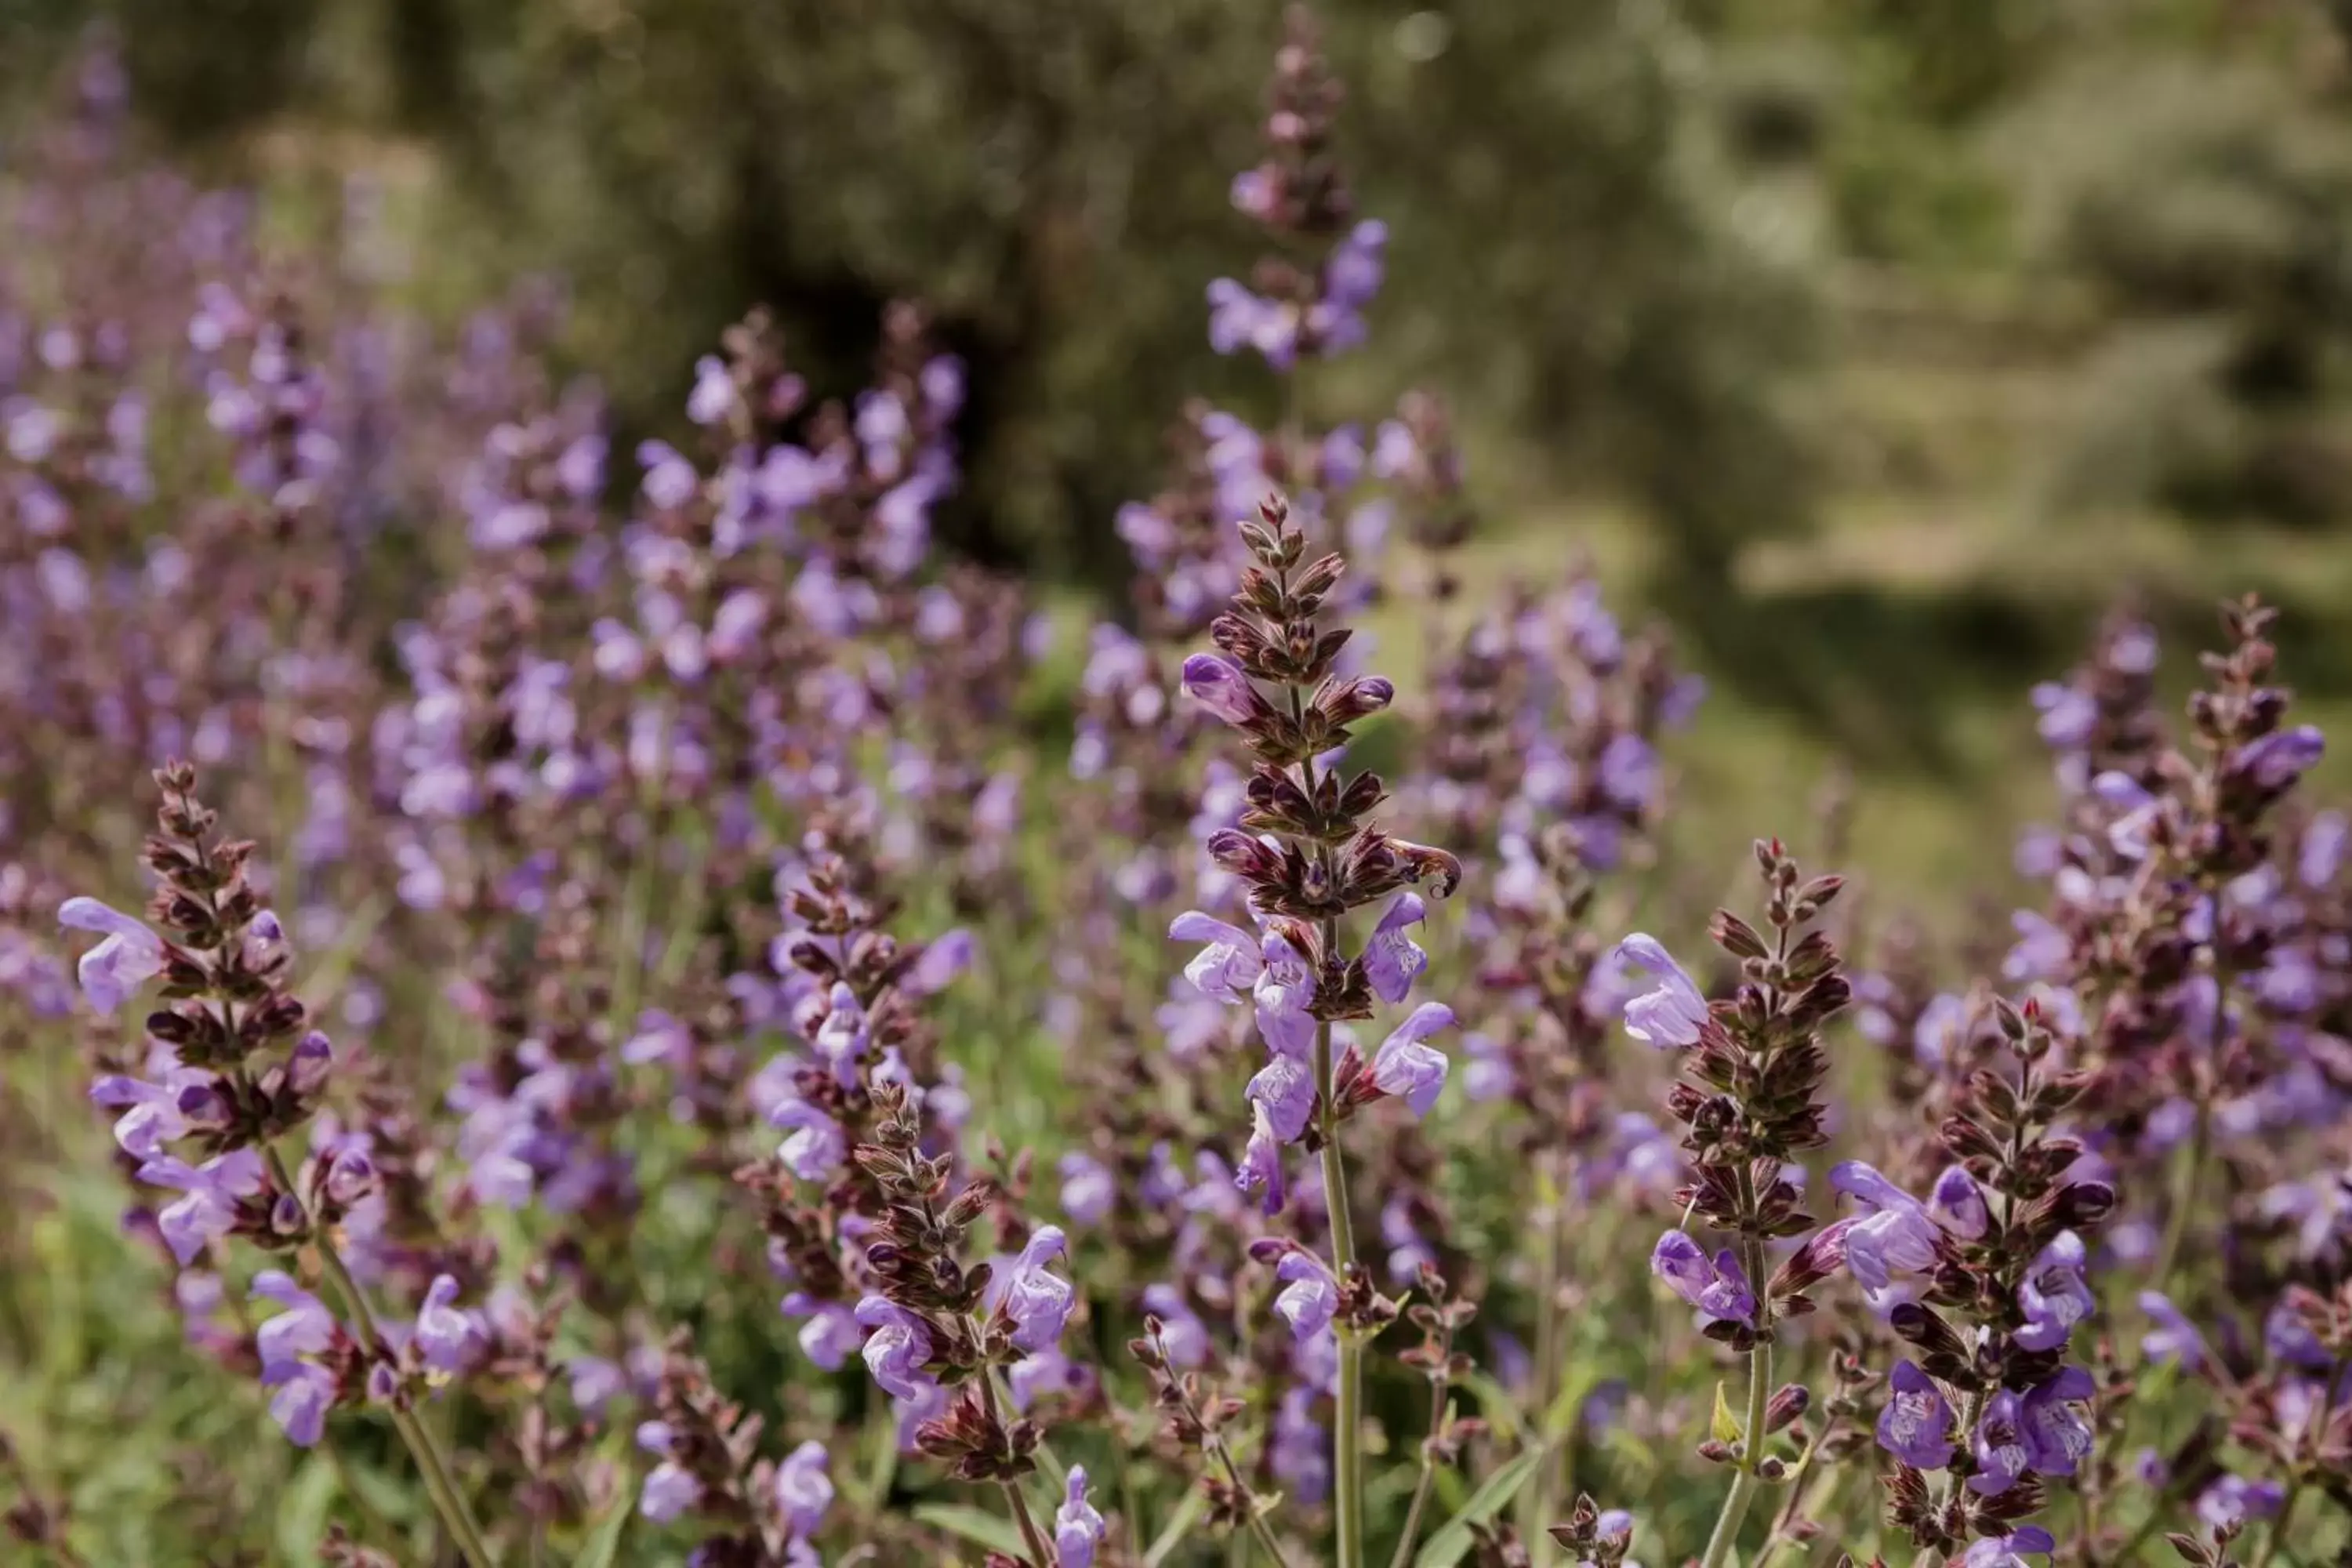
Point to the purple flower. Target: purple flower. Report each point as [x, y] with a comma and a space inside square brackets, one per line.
[1284, 1092]
[151, 1115]
[2057, 1438]
[2321, 853]
[1391, 959]
[1180, 1329]
[304, 1328]
[208, 1210]
[1310, 1296]
[896, 1348]
[803, 1489]
[301, 1403]
[670, 1489]
[2041, 951]
[816, 1147]
[2277, 760]
[2007, 1551]
[128, 958]
[1916, 1425]
[2068, 716]
[1228, 964]
[1283, 994]
[1670, 1014]
[1717, 1286]
[2233, 1500]
[1893, 1235]
[1261, 1164]
[831, 1333]
[1298, 1448]
[841, 1039]
[447, 1338]
[1958, 1204]
[1088, 1188]
[2053, 1294]
[1037, 1301]
[1999, 1446]
[2173, 1336]
[1078, 1528]
[1408, 1069]
[1217, 683]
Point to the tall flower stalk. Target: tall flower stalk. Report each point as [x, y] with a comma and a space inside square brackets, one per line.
[1309, 859]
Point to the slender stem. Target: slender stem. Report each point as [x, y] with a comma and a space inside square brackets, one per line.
[1348, 1422]
[2318, 1421]
[448, 1500]
[1760, 1392]
[1213, 1445]
[1437, 1397]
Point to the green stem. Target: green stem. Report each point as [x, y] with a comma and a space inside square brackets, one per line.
[1348, 1435]
[1038, 1555]
[448, 1500]
[1438, 1395]
[1760, 1392]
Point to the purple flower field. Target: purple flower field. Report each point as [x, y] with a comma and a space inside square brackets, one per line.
[573, 1000]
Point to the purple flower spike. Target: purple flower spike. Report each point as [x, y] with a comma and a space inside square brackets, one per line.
[803, 1488]
[1037, 1301]
[1078, 1528]
[2277, 760]
[896, 1348]
[1217, 683]
[129, 957]
[1406, 1068]
[1916, 1425]
[1392, 960]
[1671, 1014]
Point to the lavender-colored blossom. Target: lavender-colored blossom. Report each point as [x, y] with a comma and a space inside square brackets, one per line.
[1261, 1164]
[1299, 1450]
[2057, 1438]
[1037, 1300]
[815, 1147]
[1088, 1188]
[1407, 1067]
[1958, 1204]
[1078, 1528]
[2234, 1500]
[896, 1346]
[1284, 1090]
[1717, 1286]
[831, 1336]
[2068, 716]
[1916, 1425]
[2321, 853]
[1392, 960]
[1999, 1443]
[1218, 684]
[301, 1402]
[1673, 1012]
[448, 1339]
[803, 1488]
[2043, 951]
[305, 1328]
[207, 1210]
[1895, 1234]
[670, 1490]
[129, 955]
[1283, 993]
[1228, 964]
[2172, 1336]
[1310, 1296]
[1182, 1332]
[2054, 1295]
[2278, 759]
[2008, 1551]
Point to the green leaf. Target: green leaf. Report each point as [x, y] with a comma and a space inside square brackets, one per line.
[603, 1548]
[1446, 1547]
[975, 1525]
[302, 1511]
[1189, 1513]
[1725, 1426]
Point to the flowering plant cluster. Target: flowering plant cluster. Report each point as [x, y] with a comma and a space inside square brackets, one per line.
[734, 1038]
